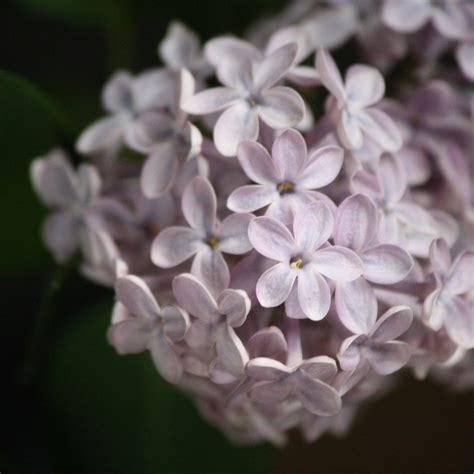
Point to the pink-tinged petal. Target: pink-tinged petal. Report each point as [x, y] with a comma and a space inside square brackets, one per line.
[293, 308]
[416, 217]
[233, 234]
[459, 322]
[53, 179]
[349, 131]
[380, 128]
[135, 295]
[450, 20]
[364, 85]
[180, 47]
[386, 264]
[312, 226]
[313, 293]
[257, 163]
[117, 93]
[267, 369]
[165, 359]
[270, 392]
[251, 197]
[392, 324]
[201, 335]
[389, 357]
[320, 367]
[435, 310]
[270, 343]
[211, 268]
[61, 233]
[317, 397]
[366, 183]
[465, 57]
[131, 336]
[330, 75]
[155, 88]
[235, 305]
[461, 278]
[174, 245]
[303, 76]
[356, 222]
[102, 135]
[271, 238]
[440, 257]
[159, 170]
[274, 286]
[210, 100]
[289, 154]
[338, 263]
[222, 48]
[195, 298]
[416, 164]
[406, 16]
[356, 305]
[199, 206]
[281, 107]
[236, 73]
[274, 66]
[349, 354]
[239, 122]
[175, 322]
[89, 183]
[231, 351]
[322, 167]
[393, 179]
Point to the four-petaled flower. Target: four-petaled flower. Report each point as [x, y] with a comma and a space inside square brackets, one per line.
[287, 179]
[356, 118]
[445, 305]
[147, 326]
[305, 258]
[205, 239]
[216, 320]
[250, 94]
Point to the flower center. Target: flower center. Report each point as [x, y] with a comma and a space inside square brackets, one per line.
[296, 262]
[154, 228]
[212, 241]
[285, 187]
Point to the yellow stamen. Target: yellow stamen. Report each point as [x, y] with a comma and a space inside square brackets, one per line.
[213, 241]
[296, 263]
[154, 228]
[284, 186]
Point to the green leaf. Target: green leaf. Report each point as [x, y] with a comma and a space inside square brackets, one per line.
[30, 125]
[114, 413]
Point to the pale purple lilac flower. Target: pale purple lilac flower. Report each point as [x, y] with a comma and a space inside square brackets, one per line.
[304, 260]
[205, 239]
[149, 327]
[249, 94]
[287, 180]
[446, 306]
[356, 117]
[216, 319]
[69, 193]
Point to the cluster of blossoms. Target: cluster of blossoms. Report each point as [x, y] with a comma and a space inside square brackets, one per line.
[281, 271]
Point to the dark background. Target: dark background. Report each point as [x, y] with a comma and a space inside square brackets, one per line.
[69, 402]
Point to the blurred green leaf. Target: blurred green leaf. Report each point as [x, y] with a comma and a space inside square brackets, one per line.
[30, 125]
[115, 414]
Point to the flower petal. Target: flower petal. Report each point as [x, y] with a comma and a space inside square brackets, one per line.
[289, 154]
[195, 298]
[235, 305]
[174, 245]
[380, 128]
[364, 85]
[199, 206]
[356, 222]
[211, 268]
[356, 305]
[312, 226]
[103, 135]
[461, 278]
[61, 233]
[231, 351]
[317, 397]
[338, 263]
[281, 107]
[270, 343]
[349, 131]
[313, 293]
[233, 234]
[406, 16]
[176, 322]
[237, 123]
[180, 46]
[165, 359]
[392, 324]
[131, 336]
[389, 357]
[257, 163]
[274, 286]
[137, 297]
[459, 322]
[392, 176]
[386, 264]
[330, 75]
[117, 93]
[251, 197]
[267, 369]
[210, 100]
[270, 392]
[271, 238]
[322, 167]
[349, 355]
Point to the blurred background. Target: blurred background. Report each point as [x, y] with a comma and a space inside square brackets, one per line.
[69, 403]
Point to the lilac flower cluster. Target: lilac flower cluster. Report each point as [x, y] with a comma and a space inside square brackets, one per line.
[281, 271]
